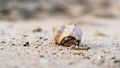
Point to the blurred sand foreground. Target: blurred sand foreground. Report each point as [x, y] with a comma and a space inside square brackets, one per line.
[101, 35]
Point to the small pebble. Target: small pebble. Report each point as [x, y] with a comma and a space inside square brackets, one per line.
[37, 30]
[45, 39]
[36, 47]
[41, 56]
[26, 44]
[40, 37]
[3, 42]
[25, 35]
[86, 57]
[78, 53]
[2, 48]
[113, 57]
[53, 53]
[117, 61]
[13, 44]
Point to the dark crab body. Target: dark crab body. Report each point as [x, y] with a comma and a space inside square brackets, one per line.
[68, 41]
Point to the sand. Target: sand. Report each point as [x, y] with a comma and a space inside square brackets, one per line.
[30, 44]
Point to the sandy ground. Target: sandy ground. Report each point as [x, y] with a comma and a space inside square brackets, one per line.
[101, 35]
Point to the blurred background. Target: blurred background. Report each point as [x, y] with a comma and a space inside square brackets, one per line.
[40, 9]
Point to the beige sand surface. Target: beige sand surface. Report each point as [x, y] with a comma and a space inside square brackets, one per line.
[101, 35]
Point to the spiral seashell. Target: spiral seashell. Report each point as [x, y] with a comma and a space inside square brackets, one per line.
[67, 35]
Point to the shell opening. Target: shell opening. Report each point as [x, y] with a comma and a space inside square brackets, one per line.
[69, 40]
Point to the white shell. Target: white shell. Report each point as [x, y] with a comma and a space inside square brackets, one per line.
[60, 32]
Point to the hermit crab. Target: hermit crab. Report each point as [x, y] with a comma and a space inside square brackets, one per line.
[69, 36]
